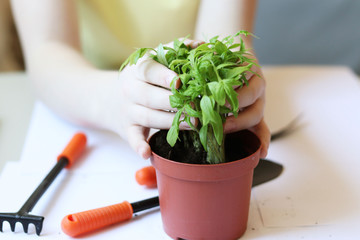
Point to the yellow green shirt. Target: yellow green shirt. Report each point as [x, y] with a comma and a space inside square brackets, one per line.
[110, 30]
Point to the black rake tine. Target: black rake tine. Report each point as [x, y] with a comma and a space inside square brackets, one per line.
[24, 219]
[26, 227]
[38, 228]
[12, 226]
[71, 152]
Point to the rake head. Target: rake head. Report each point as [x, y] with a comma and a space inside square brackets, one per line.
[68, 156]
[24, 218]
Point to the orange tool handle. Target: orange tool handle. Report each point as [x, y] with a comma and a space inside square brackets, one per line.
[146, 176]
[74, 148]
[84, 222]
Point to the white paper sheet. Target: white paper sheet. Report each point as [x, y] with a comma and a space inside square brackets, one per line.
[319, 185]
[73, 192]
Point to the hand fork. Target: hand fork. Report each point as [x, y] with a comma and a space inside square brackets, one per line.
[72, 151]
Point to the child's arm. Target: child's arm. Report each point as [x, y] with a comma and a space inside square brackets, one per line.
[128, 103]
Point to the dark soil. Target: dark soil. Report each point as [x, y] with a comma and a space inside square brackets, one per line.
[178, 153]
[235, 148]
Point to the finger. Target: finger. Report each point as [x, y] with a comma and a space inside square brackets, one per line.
[193, 43]
[151, 96]
[247, 118]
[154, 118]
[249, 74]
[137, 136]
[150, 71]
[247, 95]
[188, 42]
[263, 132]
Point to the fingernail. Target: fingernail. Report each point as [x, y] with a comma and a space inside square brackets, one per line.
[175, 78]
[144, 153]
[177, 83]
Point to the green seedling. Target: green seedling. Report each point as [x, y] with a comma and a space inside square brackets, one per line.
[210, 75]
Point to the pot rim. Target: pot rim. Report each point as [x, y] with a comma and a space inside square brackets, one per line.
[208, 172]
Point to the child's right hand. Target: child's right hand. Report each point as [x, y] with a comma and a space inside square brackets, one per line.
[141, 101]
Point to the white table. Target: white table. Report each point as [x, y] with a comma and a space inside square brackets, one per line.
[16, 104]
[316, 197]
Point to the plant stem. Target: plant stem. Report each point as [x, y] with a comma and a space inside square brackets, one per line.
[216, 152]
[191, 140]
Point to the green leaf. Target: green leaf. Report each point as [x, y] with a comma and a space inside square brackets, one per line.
[220, 48]
[177, 44]
[203, 136]
[237, 71]
[218, 91]
[180, 44]
[203, 48]
[245, 33]
[172, 135]
[173, 132]
[231, 97]
[185, 78]
[186, 68]
[232, 82]
[177, 63]
[170, 56]
[176, 101]
[161, 55]
[192, 112]
[204, 67]
[182, 53]
[218, 128]
[227, 64]
[213, 39]
[176, 120]
[134, 57]
[234, 46]
[207, 108]
[189, 92]
[228, 40]
[188, 121]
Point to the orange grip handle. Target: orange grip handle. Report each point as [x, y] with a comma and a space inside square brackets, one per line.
[84, 222]
[74, 148]
[146, 176]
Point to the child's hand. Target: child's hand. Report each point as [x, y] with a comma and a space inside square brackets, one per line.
[142, 102]
[251, 102]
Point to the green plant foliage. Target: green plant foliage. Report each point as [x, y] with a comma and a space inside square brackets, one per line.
[209, 75]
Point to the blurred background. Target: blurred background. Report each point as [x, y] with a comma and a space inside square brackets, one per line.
[16, 96]
[325, 32]
[10, 51]
[308, 32]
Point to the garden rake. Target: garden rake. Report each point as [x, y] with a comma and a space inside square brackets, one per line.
[72, 151]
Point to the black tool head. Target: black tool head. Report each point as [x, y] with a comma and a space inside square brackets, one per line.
[265, 171]
[24, 218]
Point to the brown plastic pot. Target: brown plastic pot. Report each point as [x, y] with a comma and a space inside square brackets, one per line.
[208, 201]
